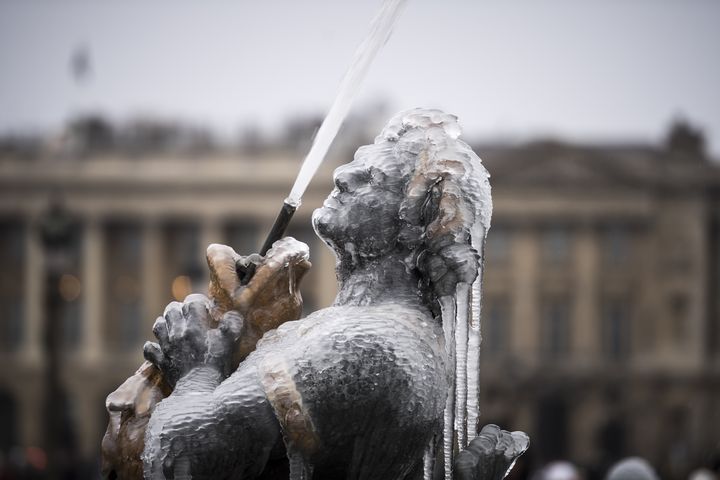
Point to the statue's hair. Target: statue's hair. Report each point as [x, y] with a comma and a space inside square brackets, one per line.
[446, 211]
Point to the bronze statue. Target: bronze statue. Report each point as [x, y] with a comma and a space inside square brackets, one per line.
[364, 389]
[272, 299]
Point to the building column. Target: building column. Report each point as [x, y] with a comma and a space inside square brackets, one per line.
[211, 232]
[93, 276]
[34, 301]
[153, 287]
[29, 407]
[525, 324]
[586, 331]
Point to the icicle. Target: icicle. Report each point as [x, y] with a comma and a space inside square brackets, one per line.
[473, 364]
[448, 434]
[448, 308]
[429, 460]
[299, 468]
[475, 338]
[462, 319]
[291, 279]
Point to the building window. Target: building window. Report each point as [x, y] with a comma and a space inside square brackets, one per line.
[556, 243]
[497, 246]
[495, 326]
[123, 274]
[184, 260]
[616, 329]
[552, 427]
[679, 308]
[12, 281]
[243, 237]
[616, 246]
[556, 327]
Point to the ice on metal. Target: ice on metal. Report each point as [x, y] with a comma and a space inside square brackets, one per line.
[363, 388]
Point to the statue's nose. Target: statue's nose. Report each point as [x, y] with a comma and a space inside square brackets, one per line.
[118, 402]
[119, 406]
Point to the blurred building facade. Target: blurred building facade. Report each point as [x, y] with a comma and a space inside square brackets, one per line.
[600, 311]
[601, 319]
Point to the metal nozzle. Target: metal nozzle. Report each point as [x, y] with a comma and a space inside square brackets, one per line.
[276, 233]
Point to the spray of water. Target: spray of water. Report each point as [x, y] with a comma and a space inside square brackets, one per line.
[380, 31]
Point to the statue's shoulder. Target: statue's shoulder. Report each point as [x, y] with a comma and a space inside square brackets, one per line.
[350, 318]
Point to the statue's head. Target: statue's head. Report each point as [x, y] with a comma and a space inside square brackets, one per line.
[417, 191]
[129, 408]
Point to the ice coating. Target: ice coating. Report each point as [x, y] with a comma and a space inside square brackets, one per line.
[449, 311]
[474, 340]
[429, 461]
[461, 366]
[419, 118]
[366, 388]
[131, 405]
[491, 455]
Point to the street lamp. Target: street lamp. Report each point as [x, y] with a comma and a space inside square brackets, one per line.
[56, 228]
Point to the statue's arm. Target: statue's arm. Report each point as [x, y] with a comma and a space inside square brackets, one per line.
[210, 425]
[271, 298]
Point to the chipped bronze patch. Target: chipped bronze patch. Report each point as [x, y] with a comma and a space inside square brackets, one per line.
[286, 400]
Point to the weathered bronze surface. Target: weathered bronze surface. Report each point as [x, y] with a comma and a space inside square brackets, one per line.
[265, 304]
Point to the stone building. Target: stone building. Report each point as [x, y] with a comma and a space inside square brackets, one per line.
[600, 316]
[600, 319]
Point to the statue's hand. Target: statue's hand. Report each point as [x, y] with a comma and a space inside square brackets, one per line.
[187, 339]
[272, 296]
[283, 266]
[449, 266]
[490, 455]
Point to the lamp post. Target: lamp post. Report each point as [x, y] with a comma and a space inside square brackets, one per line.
[56, 230]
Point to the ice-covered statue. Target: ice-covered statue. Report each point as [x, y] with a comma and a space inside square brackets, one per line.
[381, 385]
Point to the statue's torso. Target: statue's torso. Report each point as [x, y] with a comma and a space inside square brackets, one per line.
[346, 381]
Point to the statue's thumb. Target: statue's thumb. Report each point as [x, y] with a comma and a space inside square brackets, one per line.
[153, 354]
[231, 324]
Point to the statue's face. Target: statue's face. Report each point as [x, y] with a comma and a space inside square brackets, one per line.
[359, 219]
[129, 408]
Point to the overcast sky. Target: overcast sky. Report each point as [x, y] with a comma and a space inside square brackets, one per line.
[578, 69]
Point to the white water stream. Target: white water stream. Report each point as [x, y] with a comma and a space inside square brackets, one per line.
[380, 31]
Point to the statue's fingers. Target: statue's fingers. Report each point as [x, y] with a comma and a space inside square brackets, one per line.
[224, 281]
[195, 311]
[266, 275]
[231, 325]
[160, 330]
[300, 268]
[153, 354]
[195, 305]
[466, 466]
[174, 319]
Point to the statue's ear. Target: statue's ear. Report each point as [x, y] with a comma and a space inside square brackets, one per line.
[429, 209]
[445, 222]
[447, 218]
